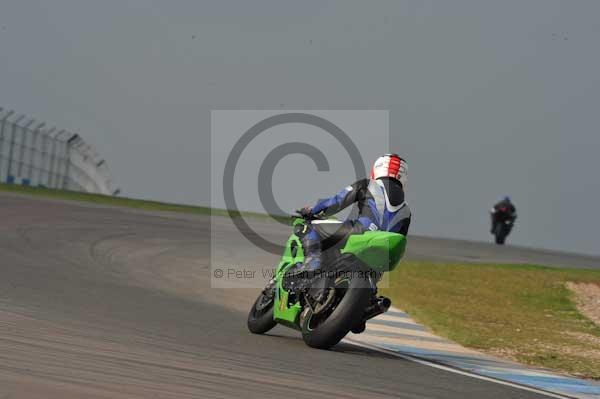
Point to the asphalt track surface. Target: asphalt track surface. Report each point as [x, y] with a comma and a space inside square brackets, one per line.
[101, 302]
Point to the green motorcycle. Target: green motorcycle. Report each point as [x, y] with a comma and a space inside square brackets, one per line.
[338, 298]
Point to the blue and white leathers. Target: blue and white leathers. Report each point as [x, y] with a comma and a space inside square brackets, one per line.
[380, 206]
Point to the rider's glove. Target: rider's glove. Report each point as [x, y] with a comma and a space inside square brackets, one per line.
[306, 212]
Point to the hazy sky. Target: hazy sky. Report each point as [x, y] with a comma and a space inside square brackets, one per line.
[485, 98]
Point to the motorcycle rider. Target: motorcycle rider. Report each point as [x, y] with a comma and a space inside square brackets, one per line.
[381, 206]
[503, 211]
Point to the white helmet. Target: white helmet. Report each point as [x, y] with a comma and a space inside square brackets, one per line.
[390, 165]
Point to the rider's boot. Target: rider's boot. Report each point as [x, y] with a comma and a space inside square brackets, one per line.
[301, 274]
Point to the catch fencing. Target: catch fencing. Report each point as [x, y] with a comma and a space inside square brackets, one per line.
[33, 155]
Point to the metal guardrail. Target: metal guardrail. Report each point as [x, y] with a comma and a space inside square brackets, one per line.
[33, 155]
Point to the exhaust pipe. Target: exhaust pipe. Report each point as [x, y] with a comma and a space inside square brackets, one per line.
[381, 305]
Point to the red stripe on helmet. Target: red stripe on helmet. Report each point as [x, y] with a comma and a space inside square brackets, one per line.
[394, 166]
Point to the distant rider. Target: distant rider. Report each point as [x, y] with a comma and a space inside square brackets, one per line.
[502, 212]
[380, 203]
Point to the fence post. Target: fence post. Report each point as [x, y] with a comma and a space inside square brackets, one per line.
[34, 161]
[21, 161]
[44, 161]
[70, 140]
[9, 176]
[50, 156]
[53, 157]
[60, 161]
[2, 139]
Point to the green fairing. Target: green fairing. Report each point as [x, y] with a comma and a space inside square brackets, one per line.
[283, 312]
[380, 250]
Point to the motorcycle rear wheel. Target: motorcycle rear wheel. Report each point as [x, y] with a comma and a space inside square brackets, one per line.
[325, 329]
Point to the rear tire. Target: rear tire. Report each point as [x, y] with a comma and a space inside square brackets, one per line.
[260, 317]
[346, 315]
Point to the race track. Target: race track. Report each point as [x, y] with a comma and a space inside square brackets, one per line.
[101, 302]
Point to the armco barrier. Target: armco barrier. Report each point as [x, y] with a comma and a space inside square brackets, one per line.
[33, 155]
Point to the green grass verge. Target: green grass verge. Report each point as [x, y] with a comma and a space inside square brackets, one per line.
[522, 312]
[127, 202]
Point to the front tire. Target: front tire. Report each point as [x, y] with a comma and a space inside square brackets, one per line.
[324, 331]
[500, 239]
[500, 234]
[260, 317]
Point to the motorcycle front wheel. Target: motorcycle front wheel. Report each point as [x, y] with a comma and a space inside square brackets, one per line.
[260, 317]
[500, 234]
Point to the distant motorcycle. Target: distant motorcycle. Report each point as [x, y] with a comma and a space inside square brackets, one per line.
[503, 219]
[503, 216]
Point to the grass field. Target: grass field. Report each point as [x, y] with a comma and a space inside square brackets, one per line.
[522, 312]
[126, 202]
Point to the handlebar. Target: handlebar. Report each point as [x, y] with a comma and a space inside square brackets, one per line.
[298, 213]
